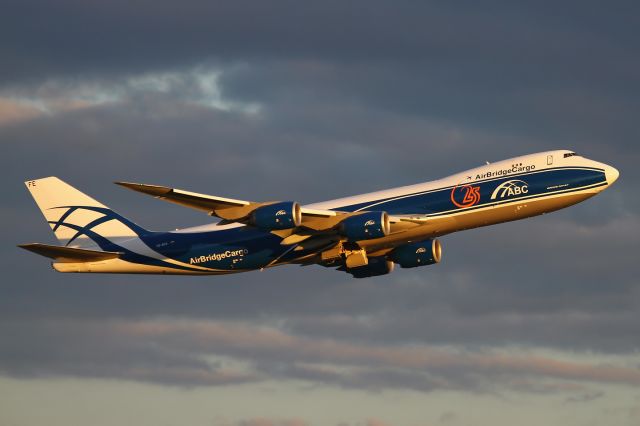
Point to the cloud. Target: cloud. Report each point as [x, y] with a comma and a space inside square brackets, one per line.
[564, 81]
[262, 421]
[585, 397]
[304, 103]
[182, 353]
[375, 422]
[411, 32]
[197, 87]
[493, 287]
[12, 111]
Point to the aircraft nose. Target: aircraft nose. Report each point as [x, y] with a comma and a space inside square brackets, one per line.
[612, 174]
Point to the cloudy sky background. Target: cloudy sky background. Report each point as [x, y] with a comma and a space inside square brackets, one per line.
[529, 323]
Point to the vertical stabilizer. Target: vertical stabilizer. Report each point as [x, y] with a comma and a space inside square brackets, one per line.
[76, 219]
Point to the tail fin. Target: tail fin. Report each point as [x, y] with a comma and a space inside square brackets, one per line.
[78, 220]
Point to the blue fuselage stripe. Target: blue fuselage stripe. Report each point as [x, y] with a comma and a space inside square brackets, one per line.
[438, 201]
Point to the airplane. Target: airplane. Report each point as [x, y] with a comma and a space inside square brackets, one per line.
[363, 235]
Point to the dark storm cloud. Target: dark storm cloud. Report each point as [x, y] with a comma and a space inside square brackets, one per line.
[348, 99]
[515, 68]
[42, 39]
[574, 114]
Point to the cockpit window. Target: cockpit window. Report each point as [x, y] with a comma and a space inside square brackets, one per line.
[570, 154]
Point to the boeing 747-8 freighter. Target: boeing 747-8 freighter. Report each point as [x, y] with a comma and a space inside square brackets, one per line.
[364, 235]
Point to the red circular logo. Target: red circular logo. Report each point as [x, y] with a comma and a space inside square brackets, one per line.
[470, 195]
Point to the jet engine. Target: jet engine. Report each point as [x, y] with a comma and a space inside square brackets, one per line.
[422, 253]
[365, 226]
[376, 266]
[282, 215]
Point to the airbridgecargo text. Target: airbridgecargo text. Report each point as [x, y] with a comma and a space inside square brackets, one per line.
[515, 168]
[218, 256]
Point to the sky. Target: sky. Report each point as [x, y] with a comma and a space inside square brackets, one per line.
[531, 322]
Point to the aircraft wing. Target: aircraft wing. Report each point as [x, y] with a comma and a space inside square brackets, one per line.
[193, 200]
[314, 223]
[229, 209]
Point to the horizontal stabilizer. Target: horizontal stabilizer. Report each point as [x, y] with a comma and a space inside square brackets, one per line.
[68, 254]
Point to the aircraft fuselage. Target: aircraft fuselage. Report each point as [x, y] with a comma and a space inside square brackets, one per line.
[503, 191]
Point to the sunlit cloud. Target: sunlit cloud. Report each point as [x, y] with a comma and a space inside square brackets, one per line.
[376, 422]
[197, 86]
[15, 111]
[264, 421]
[210, 353]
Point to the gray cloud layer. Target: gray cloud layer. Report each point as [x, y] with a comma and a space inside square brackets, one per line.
[175, 351]
[311, 104]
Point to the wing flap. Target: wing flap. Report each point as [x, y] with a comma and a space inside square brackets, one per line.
[68, 254]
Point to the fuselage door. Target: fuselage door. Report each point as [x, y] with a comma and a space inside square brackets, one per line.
[549, 160]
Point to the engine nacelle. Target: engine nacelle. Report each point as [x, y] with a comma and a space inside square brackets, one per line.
[283, 215]
[365, 226]
[377, 266]
[422, 253]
